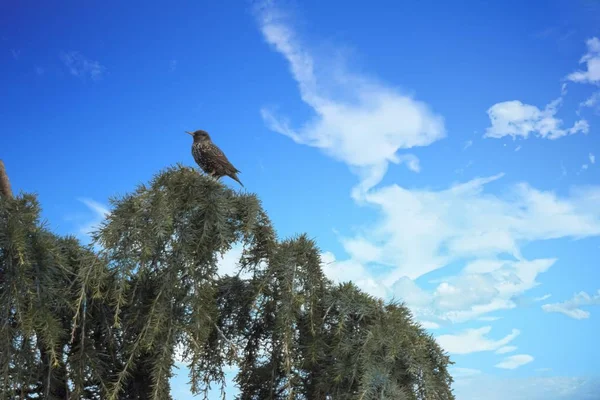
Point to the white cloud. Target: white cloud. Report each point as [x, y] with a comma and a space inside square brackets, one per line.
[592, 61]
[531, 388]
[467, 144]
[513, 118]
[178, 353]
[39, 70]
[364, 124]
[474, 340]
[411, 161]
[488, 319]
[542, 298]
[361, 249]
[506, 349]
[572, 307]
[429, 325]
[357, 120]
[518, 148]
[350, 270]
[515, 361]
[80, 66]
[100, 212]
[422, 230]
[462, 373]
[592, 158]
[172, 65]
[229, 262]
[591, 101]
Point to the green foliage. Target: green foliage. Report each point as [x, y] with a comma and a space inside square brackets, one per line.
[38, 288]
[111, 322]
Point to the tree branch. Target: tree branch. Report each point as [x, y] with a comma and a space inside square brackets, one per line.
[4, 182]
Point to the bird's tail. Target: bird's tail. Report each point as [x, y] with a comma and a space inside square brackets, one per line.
[235, 178]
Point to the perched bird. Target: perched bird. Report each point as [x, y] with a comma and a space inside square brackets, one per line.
[210, 157]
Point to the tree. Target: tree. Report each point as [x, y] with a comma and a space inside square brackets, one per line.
[38, 287]
[155, 288]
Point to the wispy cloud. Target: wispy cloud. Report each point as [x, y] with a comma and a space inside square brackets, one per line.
[39, 70]
[81, 66]
[488, 319]
[506, 349]
[489, 387]
[364, 124]
[99, 213]
[572, 307]
[461, 373]
[424, 230]
[514, 362]
[467, 144]
[474, 340]
[15, 53]
[591, 161]
[461, 170]
[592, 61]
[172, 65]
[515, 119]
[591, 101]
[228, 264]
[411, 161]
[357, 119]
[429, 325]
[421, 230]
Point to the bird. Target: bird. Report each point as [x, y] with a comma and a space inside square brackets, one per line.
[211, 158]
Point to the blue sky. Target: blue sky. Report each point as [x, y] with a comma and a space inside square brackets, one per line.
[443, 153]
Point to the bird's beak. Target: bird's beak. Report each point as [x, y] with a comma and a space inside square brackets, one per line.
[189, 133]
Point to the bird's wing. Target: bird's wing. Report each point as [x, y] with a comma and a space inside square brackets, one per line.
[220, 157]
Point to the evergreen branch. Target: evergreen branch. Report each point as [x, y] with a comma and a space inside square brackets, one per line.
[5, 189]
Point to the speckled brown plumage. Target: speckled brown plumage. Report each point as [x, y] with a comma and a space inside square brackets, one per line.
[211, 158]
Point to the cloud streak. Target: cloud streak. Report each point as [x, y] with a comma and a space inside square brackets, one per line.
[80, 66]
[514, 362]
[100, 212]
[474, 341]
[516, 119]
[530, 388]
[422, 230]
[357, 120]
[366, 125]
[592, 61]
[506, 349]
[572, 307]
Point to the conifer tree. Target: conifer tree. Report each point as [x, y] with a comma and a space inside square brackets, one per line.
[292, 333]
[38, 287]
[108, 325]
